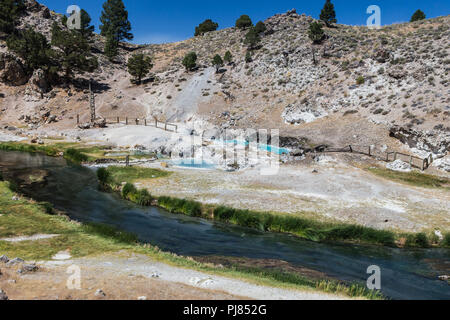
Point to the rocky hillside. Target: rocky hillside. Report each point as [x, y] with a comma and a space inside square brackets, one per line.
[360, 86]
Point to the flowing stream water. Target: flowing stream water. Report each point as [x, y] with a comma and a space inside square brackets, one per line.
[405, 273]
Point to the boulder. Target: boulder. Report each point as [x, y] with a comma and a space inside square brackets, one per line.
[38, 81]
[382, 55]
[100, 293]
[12, 70]
[4, 259]
[100, 123]
[14, 262]
[397, 73]
[3, 296]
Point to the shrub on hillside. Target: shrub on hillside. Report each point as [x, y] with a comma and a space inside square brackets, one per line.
[244, 22]
[206, 26]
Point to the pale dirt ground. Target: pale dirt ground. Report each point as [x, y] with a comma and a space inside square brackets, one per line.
[126, 276]
[337, 191]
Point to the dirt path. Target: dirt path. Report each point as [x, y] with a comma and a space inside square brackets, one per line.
[125, 276]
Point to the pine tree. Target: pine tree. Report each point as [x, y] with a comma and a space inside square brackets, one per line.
[86, 29]
[315, 32]
[73, 54]
[228, 57]
[139, 66]
[328, 15]
[190, 61]
[418, 15]
[260, 27]
[111, 47]
[244, 22]
[252, 39]
[10, 10]
[206, 26]
[217, 62]
[33, 48]
[115, 26]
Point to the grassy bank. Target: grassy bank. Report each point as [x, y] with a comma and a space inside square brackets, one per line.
[25, 218]
[413, 178]
[265, 221]
[70, 154]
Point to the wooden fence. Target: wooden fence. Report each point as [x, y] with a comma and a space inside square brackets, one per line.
[386, 156]
[166, 126]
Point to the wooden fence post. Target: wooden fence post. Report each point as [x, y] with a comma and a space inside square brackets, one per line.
[126, 120]
[78, 119]
[137, 121]
[351, 149]
[145, 122]
[165, 126]
[370, 151]
[395, 156]
[118, 120]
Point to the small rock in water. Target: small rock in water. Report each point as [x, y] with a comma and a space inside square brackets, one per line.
[142, 298]
[100, 293]
[444, 278]
[3, 295]
[4, 259]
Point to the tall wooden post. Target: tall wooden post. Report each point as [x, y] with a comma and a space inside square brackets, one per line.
[92, 101]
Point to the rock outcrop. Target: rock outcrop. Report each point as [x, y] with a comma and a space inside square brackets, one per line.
[437, 143]
[12, 70]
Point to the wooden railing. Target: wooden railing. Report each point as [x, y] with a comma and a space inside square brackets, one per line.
[387, 156]
[164, 125]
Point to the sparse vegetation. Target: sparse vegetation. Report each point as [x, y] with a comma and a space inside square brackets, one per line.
[9, 13]
[244, 22]
[413, 178]
[418, 15]
[228, 58]
[316, 33]
[190, 61]
[360, 80]
[217, 62]
[260, 27]
[328, 14]
[206, 26]
[139, 66]
[252, 39]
